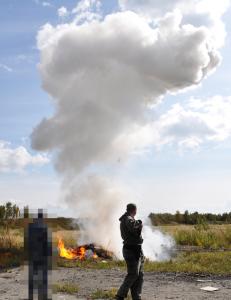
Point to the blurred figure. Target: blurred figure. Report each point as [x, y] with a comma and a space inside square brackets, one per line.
[132, 252]
[39, 251]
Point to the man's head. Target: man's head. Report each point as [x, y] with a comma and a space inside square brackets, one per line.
[131, 209]
[40, 214]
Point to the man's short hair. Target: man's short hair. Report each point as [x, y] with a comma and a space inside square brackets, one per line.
[131, 207]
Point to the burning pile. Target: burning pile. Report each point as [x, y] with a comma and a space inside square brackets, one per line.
[83, 252]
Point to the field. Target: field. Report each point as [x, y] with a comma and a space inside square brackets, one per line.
[202, 252]
[213, 237]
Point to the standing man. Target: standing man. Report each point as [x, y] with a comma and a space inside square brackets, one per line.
[39, 249]
[132, 252]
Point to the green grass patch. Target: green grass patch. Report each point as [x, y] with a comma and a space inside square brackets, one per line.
[106, 294]
[203, 262]
[208, 237]
[66, 288]
[217, 263]
[213, 237]
[11, 258]
[91, 264]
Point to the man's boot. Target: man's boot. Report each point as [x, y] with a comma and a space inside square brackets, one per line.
[119, 298]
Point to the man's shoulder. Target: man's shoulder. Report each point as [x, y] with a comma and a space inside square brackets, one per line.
[37, 226]
[129, 219]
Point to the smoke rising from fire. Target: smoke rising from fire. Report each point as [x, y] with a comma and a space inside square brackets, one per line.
[104, 77]
[98, 200]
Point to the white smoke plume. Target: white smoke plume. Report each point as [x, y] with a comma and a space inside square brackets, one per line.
[104, 76]
[98, 200]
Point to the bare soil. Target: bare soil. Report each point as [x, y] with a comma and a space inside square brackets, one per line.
[13, 284]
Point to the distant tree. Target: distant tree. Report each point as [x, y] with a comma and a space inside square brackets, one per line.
[2, 213]
[178, 217]
[9, 214]
[186, 217]
[194, 218]
[26, 212]
[15, 212]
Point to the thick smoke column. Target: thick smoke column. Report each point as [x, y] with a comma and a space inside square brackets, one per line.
[98, 200]
[104, 76]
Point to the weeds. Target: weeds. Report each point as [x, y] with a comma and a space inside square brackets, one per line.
[202, 235]
[11, 239]
[66, 288]
[215, 237]
[204, 263]
[105, 294]
[11, 248]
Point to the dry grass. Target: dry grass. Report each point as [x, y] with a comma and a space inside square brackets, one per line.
[12, 239]
[11, 248]
[214, 237]
[70, 237]
[210, 237]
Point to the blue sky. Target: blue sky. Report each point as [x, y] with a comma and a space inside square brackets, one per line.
[196, 180]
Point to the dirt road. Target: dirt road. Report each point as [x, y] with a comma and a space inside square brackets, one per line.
[156, 286]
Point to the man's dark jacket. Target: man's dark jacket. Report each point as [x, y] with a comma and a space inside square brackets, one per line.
[39, 246]
[130, 230]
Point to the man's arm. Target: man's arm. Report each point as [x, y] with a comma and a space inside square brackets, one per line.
[134, 226]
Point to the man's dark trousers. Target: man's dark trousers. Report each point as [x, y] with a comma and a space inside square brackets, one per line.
[134, 278]
[40, 270]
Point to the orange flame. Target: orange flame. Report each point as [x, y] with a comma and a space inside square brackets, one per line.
[77, 253]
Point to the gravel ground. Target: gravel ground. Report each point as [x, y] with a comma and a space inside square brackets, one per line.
[156, 286]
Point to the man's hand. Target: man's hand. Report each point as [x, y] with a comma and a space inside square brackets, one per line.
[134, 226]
[140, 224]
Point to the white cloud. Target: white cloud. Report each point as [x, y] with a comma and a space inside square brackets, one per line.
[63, 12]
[85, 5]
[192, 124]
[5, 68]
[43, 3]
[158, 8]
[196, 12]
[187, 125]
[154, 8]
[87, 10]
[17, 159]
[46, 4]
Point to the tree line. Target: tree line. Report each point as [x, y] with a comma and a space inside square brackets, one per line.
[189, 218]
[9, 212]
